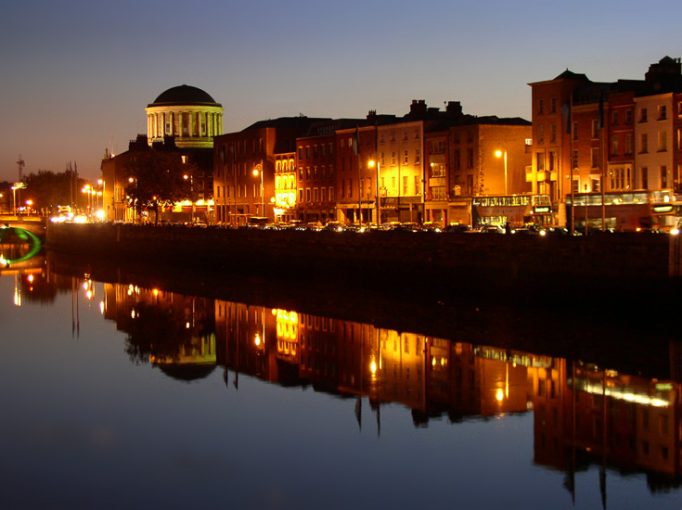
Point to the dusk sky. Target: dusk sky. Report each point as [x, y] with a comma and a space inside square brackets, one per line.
[77, 74]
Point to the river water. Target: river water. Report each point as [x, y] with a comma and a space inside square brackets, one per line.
[126, 395]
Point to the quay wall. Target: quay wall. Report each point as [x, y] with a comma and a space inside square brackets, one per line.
[400, 261]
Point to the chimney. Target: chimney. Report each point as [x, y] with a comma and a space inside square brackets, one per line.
[418, 108]
[454, 109]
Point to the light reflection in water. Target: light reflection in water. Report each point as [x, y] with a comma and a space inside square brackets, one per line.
[580, 411]
[582, 414]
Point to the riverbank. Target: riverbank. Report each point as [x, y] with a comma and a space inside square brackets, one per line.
[612, 270]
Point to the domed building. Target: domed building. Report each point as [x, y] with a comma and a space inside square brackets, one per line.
[181, 124]
[186, 113]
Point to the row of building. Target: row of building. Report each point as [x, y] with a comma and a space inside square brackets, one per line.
[429, 165]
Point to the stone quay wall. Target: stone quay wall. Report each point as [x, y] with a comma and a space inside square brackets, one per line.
[395, 260]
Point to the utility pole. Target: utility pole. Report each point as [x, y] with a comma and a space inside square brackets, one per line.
[21, 164]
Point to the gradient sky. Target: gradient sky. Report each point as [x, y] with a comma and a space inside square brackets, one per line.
[77, 74]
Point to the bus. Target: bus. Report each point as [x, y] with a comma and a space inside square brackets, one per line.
[512, 210]
[630, 211]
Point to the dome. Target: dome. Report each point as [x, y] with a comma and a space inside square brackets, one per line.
[185, 95]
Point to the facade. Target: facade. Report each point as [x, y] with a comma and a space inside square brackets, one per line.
[316, 177]
[591, 137]
[488, 157]
[186, 113]
[285, 187]
[356, 174]
[118, 175]
[400, 148]
[244, 167]
[181, 123]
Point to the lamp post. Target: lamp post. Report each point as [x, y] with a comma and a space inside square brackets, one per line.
[256, 172]
[15, 187]
[372, 163]
[503, 154]
[191, 193]
[105, 215]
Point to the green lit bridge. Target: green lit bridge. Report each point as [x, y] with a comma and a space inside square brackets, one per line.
[21, 240]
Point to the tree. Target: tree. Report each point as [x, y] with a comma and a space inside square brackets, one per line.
[48, 189]
[155, 178]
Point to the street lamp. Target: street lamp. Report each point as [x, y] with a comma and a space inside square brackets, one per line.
[256, 172]
[15, 187]
[371, 164]
[191, 192]
[503, 154]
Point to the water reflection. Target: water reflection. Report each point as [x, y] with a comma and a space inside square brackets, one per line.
[583, 414]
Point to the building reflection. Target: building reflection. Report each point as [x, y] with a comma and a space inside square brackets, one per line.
[583, 415]
[173, 332]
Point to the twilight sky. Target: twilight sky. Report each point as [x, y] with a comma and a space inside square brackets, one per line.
[77, 74]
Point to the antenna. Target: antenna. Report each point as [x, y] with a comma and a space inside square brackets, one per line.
[21, 164]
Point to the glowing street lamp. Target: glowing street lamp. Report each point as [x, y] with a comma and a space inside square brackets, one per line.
[371, 164]
[256, 172]
[191, 191]
[15, 187]
[503, 154]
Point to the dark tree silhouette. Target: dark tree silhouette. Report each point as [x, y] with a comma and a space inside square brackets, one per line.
[156, 179]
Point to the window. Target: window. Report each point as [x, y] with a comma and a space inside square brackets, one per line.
[416, 185]
[405, 157]
[541, 134]
[552, 105]
[645, 177]
[575, 159]
[628, 144]
[470, 184]
[643, 143]
[575, 130]
[576, 185]
[470, 158]
[628, 117]
[614, 119]
[406, 190]
[662, 112]
[662, 140]
[643, 115]
[595, 157]
[664, 176]
[595, 128]
[596, 188]
[552, 135]
[541, 106]
[316, 195]
[540, 159]
[614, 147]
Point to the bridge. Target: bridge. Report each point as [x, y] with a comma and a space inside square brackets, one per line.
[21, 240]
[34, 224]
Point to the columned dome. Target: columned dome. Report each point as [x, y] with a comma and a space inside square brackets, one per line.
[188, 114]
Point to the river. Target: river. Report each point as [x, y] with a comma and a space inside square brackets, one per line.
[122, 393]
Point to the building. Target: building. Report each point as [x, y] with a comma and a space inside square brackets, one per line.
[356, 174]
[181, 123]
[186, 113]
[244, 167]
[489, 157]
[592, 137]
